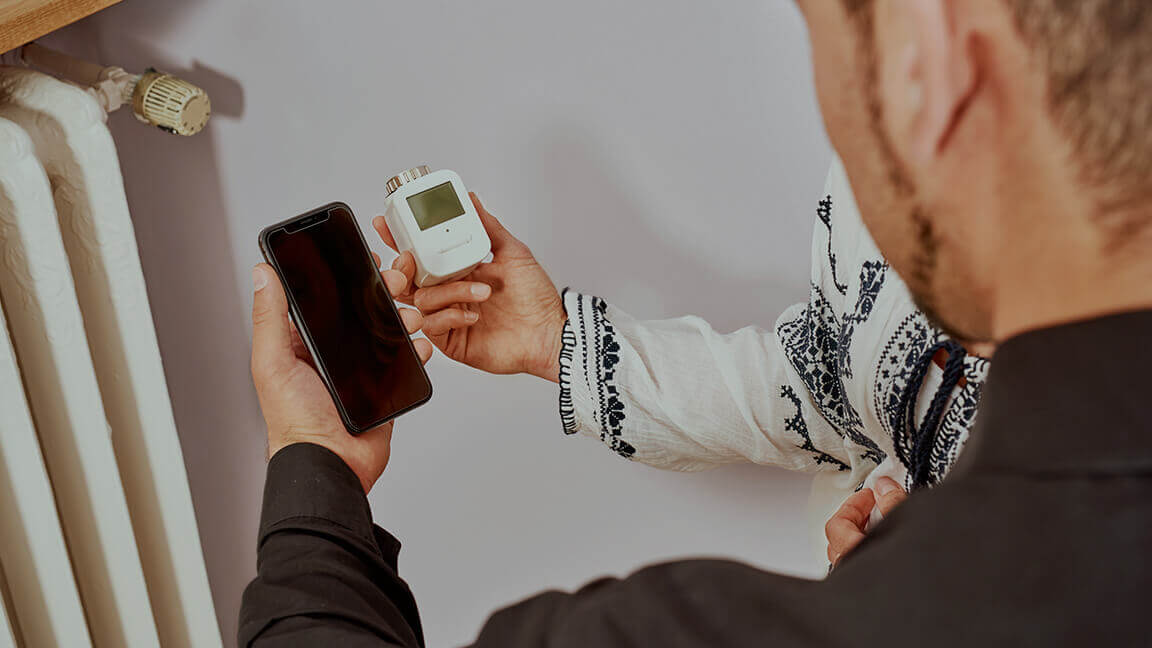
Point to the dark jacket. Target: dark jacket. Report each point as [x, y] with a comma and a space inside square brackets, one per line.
[1041, 535]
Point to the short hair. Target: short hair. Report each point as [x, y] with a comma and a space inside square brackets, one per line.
[1097, 57]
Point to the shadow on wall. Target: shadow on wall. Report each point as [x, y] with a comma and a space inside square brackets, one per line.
[175, 193]
[602, 220]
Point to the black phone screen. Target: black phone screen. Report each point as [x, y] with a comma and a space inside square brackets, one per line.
[346, 315]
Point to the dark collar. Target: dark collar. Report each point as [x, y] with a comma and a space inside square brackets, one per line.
[1072, 399]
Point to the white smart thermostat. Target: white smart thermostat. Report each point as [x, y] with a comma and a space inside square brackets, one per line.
[431, 214]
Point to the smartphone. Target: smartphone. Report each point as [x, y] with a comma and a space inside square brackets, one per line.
[346, 317]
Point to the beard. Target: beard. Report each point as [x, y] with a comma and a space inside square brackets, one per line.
[921, 281]
[920, 264]
[941, 289]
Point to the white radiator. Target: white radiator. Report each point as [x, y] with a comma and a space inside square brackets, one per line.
[31, 542]
[115, 493]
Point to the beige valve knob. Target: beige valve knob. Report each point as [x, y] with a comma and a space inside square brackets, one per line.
[170, 103]
[404, 177]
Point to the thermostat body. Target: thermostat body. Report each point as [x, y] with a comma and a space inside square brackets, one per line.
[431, 214]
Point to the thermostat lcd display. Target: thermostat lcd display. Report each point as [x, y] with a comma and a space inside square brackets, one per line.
[434, 206]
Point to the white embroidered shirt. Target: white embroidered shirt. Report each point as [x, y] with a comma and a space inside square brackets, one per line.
[826, 390]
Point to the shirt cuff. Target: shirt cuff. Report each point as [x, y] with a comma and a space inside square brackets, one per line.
[567, 352]
[589, 357]
[310, 481]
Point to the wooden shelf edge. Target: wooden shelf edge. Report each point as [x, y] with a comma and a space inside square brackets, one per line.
[23, 21]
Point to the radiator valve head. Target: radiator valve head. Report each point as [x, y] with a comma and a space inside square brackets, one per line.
[170, 103]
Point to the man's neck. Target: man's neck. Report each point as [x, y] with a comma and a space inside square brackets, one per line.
[1066, 273]
[1057, 263]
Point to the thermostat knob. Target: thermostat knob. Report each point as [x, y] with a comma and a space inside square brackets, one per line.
[403, 178]
[172, 104]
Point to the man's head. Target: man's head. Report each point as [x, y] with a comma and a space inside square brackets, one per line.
[982, 136]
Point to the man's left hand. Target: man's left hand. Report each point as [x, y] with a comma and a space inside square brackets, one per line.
[297, 407]
[846, 528]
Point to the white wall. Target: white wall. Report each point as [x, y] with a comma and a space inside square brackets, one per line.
[665, 155]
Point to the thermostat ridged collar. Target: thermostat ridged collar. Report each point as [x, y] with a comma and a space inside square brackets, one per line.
[403, 178]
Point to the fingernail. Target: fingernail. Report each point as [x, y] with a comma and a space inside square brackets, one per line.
[480, 290]
[884, 485]
[259, 278]
[472, 317]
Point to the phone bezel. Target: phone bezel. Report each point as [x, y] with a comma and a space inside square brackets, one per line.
[305, 335]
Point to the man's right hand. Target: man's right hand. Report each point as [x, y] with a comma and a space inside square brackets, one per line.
[504, 317]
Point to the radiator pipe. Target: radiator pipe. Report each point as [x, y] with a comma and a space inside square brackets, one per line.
[167, 102]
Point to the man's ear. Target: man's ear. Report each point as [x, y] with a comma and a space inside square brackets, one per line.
[926, 73]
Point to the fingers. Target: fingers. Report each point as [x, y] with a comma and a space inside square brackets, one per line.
[857, 508]
[434, 298]
[889, 495]
[406, 266]
[412, 319]
[396, 282]
[423, 349]
[376, 258]
[381, 227]
[845, 529]
[440, 323]
[271, 329]
[496, 232]
[406, 263]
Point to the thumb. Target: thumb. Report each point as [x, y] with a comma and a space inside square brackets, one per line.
[271, 330]
[889, 495]
[499, 236]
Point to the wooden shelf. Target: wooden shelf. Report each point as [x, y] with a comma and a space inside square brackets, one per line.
[23, 21]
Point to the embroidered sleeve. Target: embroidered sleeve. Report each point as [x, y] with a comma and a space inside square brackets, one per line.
[589, 396]
[831, 341]
[676, 394]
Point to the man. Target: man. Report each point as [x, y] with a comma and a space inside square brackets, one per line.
[1000, 152]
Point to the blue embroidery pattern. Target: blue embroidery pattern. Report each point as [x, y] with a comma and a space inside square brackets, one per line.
[958, 418]
[567, 347]
[824, 212]
[599, 364]
[872, 275]
[796, 423]
[607, 356]
[898, 357]
[815, 343]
